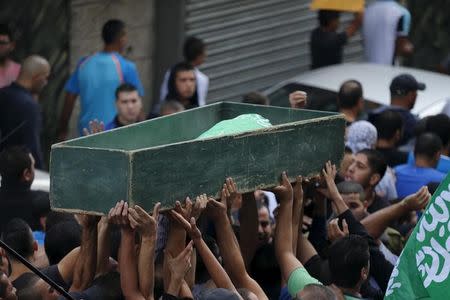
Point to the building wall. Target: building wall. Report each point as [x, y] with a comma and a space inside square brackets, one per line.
[87, 19]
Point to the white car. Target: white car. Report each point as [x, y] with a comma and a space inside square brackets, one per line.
[322, 86]
[41, 181]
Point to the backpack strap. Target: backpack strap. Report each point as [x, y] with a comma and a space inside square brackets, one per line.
[118, 67]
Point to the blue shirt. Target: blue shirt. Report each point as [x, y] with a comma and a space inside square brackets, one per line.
[96, 79]
[411, 178]
[443, 164]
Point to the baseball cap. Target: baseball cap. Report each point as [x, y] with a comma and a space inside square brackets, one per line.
[404, 83]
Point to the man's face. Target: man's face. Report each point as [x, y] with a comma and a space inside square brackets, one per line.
[185, 84]
[359, 171]
[265, 226]
[346, 163]
[45, 291]
[129, 106]
[412, 99]
[355, 205]
[6, 47]
[123, 42]
[40, 80]
[10, 291]
[200, 59]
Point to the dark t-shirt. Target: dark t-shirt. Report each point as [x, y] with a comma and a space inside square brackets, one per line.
[326, 47]
[393, 156]
[105, 287]
[377, 204]
[20, 120]
[18, 201]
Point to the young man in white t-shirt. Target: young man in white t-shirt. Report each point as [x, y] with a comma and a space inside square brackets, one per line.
[385, 32]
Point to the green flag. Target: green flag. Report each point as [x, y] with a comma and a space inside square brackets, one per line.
[423, 268]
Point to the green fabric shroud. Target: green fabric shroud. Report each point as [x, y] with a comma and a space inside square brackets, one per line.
[242, 123]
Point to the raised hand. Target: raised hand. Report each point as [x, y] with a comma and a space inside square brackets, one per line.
[94, 127]
[334, 232]
[181, 264]
[232, 192]
[199, 206]
[215, 209]
[297, 99]
[298, 190]
[119, 214]
[329, 173]
[284, 192]
[139, 219]
[418, 200]
[185, 211]
[190, 227]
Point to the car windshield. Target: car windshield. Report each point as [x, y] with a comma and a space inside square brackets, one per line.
[318, 99]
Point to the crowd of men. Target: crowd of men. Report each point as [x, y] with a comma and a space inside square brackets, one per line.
[337, 236]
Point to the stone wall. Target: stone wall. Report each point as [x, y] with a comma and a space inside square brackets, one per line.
[87, 19]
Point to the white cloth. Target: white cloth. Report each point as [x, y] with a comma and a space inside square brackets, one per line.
[386, 189]
[272, 202]
[202, 82]
[361, 135]
[380, 30]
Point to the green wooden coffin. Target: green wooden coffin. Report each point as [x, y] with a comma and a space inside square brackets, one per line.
[161, 160]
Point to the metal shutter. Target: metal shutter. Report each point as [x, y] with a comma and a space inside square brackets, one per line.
[253, 44]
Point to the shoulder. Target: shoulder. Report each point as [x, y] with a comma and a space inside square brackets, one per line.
[402, 168]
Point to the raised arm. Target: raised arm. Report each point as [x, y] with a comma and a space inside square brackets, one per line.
[329, 173]
[178, 267]
[147, 227]
[127, 254]
[283, 231]
[215, 270]
[85, 269]
[103, 247]
[229, 247]
[377, 222]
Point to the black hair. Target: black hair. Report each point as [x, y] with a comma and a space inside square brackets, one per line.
[255, 98]
[6, 30]
[387, 124]
[112, 31]
[350, 93]
[349, 187]
[56, 217]
[376, 161]
[193, 47]
[60, 240]
[124, 87]
[348, 150]
[427, 145]
[17, 234]
[320, 292]
[13, 161]
[27, 288]
[172, 105]
[326, 16]
[172, 89]
[348, 255]
[439, 125]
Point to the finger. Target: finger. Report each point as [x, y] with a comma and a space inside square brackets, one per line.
[285, 179]
[345, 227]
[133, 223]
[181, 220]
[193, 224]
[233, 184]
[125, 209]
[156, 209]
[85, 132]
[133, 213]
[178, 207]
[186, 251]
[223, 197]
